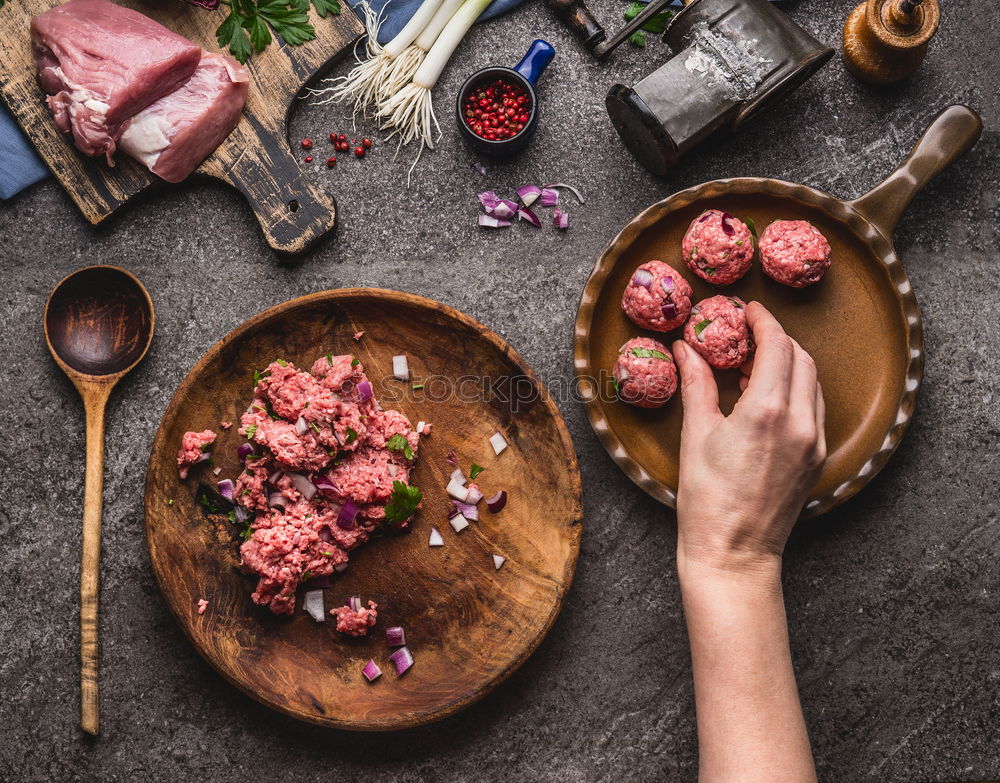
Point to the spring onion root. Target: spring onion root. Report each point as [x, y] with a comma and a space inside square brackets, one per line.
[366, 82]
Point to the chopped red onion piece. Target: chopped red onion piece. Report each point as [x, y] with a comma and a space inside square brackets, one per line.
[570, 188]
[435, 539]
[727, 226]
[354, 602]
[340, 567]
[402, 659]
[497, 502]
[241, 514]
[277, 499]
[305, 487]
[324, 534]
[322, 483]
[217, 471]
[488, 221]
[479, 167]
[498, 561]
[400, 368]
[301, 427]
[454, 511]
[620, 373]
[348, 514]
[458, 476]
[528, 194]
[457, 490]
[549, 197]
[319, 582]
[505, 209]
[642, 278]
[312, 602]
[243, 451]
[560, 219]
[364, 391]
[371, 671]
[420, 427]
[467, 510]
[527, 215]
[226, 488]
[489, 200]
[459, 523]
[392, 469]
[667, 284]
[395, 637]
[704, 216]
[474, 496]
[669, 310]
[275, 477]
[451, 457]
[498, 442]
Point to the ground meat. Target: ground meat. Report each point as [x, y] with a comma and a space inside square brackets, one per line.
[645, 374]
[355, 623]
[794, 252]
[202, 605]
[225, 425]
[303, 425]
[717, 329]
[718, 247]
[657, 297]
[194, 446]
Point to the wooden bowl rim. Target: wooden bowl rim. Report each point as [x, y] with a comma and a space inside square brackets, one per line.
[575, 526]
[850, 220]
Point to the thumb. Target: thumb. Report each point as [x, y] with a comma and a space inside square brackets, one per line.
[699, 393]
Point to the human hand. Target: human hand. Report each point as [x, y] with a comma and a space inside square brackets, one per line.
[744, 477]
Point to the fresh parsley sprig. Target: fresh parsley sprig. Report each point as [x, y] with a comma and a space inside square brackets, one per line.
[403, 503]
[247, 28]
[398, 443]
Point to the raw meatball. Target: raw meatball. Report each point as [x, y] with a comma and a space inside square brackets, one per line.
[657, 297]
[793, 252]
[645, 374]
[718, 247]
[717, 329]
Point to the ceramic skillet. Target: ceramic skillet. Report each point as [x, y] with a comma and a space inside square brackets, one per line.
[861, 323]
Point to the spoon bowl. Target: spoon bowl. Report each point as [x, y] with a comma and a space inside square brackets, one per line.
[98, 325]
[99, 322]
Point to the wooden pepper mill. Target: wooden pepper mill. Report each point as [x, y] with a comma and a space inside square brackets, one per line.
[885, 40]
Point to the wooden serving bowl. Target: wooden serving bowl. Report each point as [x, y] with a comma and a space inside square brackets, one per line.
[468, 625]
[861, 323]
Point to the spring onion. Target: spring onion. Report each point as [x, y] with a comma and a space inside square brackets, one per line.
[410, 112]
[363, 85]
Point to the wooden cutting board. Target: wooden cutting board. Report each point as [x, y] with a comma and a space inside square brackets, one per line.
[256, 158]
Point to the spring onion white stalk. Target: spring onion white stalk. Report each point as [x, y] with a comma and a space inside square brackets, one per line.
[410, 112]
[363, 85]
[404, 66]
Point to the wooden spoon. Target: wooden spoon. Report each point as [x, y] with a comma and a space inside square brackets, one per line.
[98, 325]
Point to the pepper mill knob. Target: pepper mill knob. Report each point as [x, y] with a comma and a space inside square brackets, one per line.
[885, 40]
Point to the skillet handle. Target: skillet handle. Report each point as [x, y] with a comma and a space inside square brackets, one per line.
[949, 136]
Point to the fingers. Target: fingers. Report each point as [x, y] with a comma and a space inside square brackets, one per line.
[699, 393]
[820, 424]
[770, 381]
[802, 389]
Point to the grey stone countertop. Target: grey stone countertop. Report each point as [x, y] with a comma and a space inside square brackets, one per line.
[892, 599]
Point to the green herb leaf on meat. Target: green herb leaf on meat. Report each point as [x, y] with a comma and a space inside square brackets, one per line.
[614, 385]
[403, 503]
[282, 362]
[736, 302]
[398, 443]
[709, 270]
[352, 435]
[751, 225]
[701, 326]
[258, 376]
[306, 575]
[315, 428]
[324, 7]
[329, 358]
[649, 353]
[251, 431]
[475, 470]
[355, 362]
[247, 532]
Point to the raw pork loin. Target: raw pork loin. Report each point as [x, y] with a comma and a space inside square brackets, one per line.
[172, 136]
[101, 64]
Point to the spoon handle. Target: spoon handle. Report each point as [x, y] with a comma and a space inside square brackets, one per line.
[95, 401]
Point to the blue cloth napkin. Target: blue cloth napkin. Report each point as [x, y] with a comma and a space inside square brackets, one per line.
[398, 12]
[20, 166]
